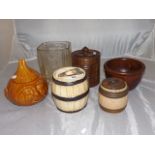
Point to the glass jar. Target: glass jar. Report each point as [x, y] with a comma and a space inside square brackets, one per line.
[53, 55]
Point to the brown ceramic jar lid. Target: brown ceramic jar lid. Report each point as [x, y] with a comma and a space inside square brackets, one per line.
[113, 88]
[86, 52]
[113, 83]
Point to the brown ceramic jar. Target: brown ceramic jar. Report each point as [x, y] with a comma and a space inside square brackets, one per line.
[89, 60]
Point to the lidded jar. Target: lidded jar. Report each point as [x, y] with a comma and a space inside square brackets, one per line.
[70, 89]
[89, 60]
[113, 95]
[26, 87]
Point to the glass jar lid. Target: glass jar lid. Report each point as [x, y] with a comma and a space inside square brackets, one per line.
[52, 45]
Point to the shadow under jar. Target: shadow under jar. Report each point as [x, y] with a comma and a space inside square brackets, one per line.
[128, 69]
[53, 55]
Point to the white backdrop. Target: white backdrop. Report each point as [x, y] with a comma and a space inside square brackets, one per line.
[111, 37]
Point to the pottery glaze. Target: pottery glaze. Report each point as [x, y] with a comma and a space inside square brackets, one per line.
[89, 60]
[26, 87]
[128, 69]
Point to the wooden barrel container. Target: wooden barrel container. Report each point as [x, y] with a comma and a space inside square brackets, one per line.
[70, 89]
[113, 95]
[89, 60]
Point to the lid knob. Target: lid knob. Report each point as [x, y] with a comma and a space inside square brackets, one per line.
[85, 49]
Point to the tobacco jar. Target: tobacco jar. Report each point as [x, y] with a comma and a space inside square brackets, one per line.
[89, 60]
[113, 95]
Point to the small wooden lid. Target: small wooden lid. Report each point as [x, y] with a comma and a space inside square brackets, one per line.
[113, 87]
[86, 52]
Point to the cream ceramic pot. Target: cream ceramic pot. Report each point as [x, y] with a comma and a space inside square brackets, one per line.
[70, 89]
[113, 95]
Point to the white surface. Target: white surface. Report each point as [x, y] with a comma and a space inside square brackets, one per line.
[112, 38]
[44, 118]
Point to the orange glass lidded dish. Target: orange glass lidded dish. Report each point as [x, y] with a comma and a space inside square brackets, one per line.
[27, 86]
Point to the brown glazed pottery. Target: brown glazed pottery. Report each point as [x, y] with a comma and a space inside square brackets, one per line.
[26, 87]
[89, 60]
[128, 69]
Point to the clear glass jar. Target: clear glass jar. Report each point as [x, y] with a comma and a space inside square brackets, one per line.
[53, 55]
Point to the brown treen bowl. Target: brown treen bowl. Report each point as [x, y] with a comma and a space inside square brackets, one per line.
[129, 69]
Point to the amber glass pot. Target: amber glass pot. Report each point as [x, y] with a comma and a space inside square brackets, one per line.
[26, 86]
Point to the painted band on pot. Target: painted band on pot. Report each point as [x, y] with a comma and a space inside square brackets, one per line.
[72, 98]
[113, 95]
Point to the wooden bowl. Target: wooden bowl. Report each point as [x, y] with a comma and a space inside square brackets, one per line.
[128, 69]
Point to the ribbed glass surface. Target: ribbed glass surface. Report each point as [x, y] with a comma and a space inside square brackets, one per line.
[53, 55]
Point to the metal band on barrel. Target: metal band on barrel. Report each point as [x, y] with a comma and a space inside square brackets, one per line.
[72, 98]
[113, 95]
[68, 83]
